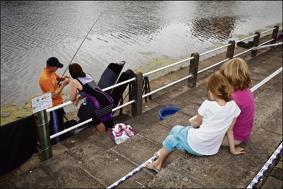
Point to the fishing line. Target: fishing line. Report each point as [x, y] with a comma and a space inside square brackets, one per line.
[80, 47]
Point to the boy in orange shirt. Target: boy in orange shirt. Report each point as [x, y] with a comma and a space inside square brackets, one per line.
[48, 82]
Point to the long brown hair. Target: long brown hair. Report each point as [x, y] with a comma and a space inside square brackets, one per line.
[237, 73]
[76, 71]
[219, 86]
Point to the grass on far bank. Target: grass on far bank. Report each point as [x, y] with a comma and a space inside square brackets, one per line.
[13, 112]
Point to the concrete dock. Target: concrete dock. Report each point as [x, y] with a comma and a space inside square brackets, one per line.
[91, 160]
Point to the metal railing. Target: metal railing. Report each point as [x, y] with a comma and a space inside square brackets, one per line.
[191, 77]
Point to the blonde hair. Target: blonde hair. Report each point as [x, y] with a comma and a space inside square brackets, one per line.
[219, 86]
[237, 73]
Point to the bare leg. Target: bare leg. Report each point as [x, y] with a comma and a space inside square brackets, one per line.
[101, 128]
[226, 143]
[163, 154]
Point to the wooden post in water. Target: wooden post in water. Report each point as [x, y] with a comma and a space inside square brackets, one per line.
[137, 94]
[255, 43]
[230, 50]
[193, 70]
[43, 135]
[274, 34]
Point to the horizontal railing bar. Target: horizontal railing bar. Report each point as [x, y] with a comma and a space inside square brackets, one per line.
[268, 41]
[213, 65]
[267, 30]
[266, 79]
[168, 66]
[123, 105]
[210, 51]
[166, 86]
[252, 48]
[71, 128]
[266, 46]
[119, 84]
[245, 38]
[59, 106]
[236, 55]
[254, 35]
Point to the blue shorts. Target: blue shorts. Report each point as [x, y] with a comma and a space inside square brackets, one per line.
[178, 139]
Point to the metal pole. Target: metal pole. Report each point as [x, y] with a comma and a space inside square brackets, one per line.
[230, 50]
[43, 134]
[255, 43]
[137, 94]
[193, 70]
[274, 34]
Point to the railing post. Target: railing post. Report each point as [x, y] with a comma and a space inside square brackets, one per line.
[193, 70]
[43, 135]
[137, 94]
[274, 34]
[230, 50]
[255, 43]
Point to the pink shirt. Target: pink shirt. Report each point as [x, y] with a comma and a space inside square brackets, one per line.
[244, 123]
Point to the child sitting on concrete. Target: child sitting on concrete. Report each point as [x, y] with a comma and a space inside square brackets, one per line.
[236, 72]
[208, 127]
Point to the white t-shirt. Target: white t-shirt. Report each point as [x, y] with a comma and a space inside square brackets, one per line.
[216, 120]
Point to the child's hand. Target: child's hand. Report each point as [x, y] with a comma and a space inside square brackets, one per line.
[238, 150]
[195, 121]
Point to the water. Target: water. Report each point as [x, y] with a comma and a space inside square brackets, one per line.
[144, 34]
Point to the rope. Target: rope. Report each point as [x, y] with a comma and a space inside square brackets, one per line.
[266, 167]
[132, 173]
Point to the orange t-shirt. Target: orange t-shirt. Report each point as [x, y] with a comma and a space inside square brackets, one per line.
[48, 82]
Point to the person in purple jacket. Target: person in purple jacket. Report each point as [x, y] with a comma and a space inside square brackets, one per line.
[237, 73]
[83, 86]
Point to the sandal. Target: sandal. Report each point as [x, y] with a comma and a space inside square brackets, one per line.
[157, 154]
[151, 167]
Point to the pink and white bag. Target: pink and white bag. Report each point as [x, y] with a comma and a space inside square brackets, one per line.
[122, 132]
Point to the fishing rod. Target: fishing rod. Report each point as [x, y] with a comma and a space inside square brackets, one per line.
[80, 47]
